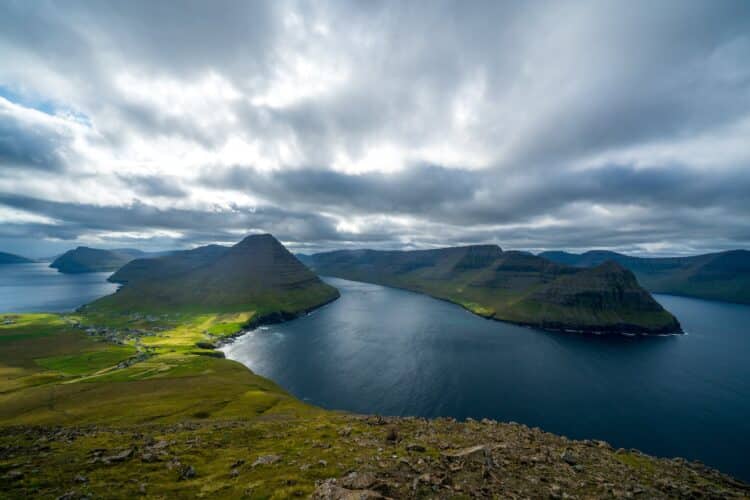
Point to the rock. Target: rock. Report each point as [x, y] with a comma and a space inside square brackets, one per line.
[329, 490]
[392, 435]
[415, 447]
[14, 475]
[473, 453]
[567, 457]
[186, 472]
[80, 478]
[602, 444]
[358, 480]
[118, 457]
[266, 460]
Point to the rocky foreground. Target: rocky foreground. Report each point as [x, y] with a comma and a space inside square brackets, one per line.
[335, 456]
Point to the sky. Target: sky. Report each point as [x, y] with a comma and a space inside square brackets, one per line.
[534, 125]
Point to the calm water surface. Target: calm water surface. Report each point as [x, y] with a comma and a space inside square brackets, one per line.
[38, 288]
[388, 351]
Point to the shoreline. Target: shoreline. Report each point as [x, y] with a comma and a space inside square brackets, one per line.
[270, 319]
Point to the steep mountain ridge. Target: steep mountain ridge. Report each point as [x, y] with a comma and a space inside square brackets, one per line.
[511, 286]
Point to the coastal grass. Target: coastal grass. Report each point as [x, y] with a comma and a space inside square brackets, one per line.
[54, 373]
[176, 423]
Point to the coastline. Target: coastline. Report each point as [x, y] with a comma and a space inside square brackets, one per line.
[549, 327]
[270, 319]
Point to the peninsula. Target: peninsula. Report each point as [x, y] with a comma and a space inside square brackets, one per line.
[511, 286]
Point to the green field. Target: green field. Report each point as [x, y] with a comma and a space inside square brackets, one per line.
[123, 406]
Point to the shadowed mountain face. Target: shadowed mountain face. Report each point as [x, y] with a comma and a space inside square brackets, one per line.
[717, 276]
[256, 274]
[161, 268]
[94, 260]
[511, 286]
[9, 258]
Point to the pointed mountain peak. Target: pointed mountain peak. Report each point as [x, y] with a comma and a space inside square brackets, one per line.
[258, 239]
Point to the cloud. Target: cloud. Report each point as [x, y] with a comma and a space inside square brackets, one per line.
[32, 139]
[387, 124]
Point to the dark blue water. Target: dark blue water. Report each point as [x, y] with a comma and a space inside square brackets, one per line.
[387, 351]
[38, 288]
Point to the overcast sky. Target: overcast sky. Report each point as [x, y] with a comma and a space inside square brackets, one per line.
[534, 125]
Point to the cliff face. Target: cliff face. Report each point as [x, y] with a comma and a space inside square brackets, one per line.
[257, 273]
[716, 276]
[606, 297]
[512, 286]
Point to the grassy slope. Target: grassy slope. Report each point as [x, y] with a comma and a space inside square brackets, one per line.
[509, 286]
[195, 425]
[53, 372]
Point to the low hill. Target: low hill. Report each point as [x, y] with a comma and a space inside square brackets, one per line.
[257, 274]
[717, 276]
[511, 286]
[9, 258]
[93, 260]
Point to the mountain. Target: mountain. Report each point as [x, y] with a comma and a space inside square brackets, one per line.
[511, 286]
[159, 268]
[9, 258]
[95, 260]
[92, 260]
[256, 274]
[716, 276]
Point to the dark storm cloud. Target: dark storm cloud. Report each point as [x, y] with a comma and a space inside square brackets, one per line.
[545, 125]
[31, 144]
[195, 226]
[417, 190]
[455, 196]
[155, 185]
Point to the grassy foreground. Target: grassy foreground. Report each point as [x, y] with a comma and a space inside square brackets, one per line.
[129, 405]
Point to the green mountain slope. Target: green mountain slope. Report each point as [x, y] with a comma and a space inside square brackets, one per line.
[511, 286]
[257, 274]
[716, 276]
[9, 258]
[162, 267]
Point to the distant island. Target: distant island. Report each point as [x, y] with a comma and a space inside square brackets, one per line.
[95, 260]
[511, 286]
[721, 276]
[9, 258]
